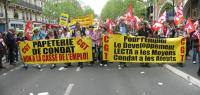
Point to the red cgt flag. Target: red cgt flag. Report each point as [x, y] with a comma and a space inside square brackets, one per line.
[196, 23]
[189, 27]
[109, 26]
[179, 18]
[156, 26]
[28, 30]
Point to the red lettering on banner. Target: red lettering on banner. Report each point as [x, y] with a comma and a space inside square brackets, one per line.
[25, 48]
[106, 39]
[50, 57]
[61, 57]
[106, 46]
[82, 44]
[182, 56]
[78, 56]
[182, 49]
[106, 55]
[183, 41]
[27, 58]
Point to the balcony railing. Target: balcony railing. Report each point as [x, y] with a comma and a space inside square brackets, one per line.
[28, 5]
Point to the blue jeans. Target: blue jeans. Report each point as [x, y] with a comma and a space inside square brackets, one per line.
[195, 53]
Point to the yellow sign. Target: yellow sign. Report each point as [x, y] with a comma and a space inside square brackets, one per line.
[84, 20]
[63, 19]
[56, 51]
[141, 50]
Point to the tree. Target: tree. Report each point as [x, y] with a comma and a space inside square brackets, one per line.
[53, 10]
[88, 10]
[116, 8]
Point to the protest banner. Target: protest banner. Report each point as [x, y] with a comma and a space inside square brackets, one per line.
[118, 48]
[56, 51]
[64, 19]
[85, 21]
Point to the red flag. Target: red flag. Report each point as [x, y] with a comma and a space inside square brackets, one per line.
[189, 27]
[162, 19]
[28, 30]
[109, 26]
[129, 15]
[178, 18]
[156, 26]
[196, 23]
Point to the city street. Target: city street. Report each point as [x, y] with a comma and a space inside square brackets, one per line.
[96, 80]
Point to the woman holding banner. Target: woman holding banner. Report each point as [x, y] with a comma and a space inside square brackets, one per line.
[50, 36]
[91, 34]
[123, 28]
[98, 42]
[36, 36]
[66, 35]
[77, 33]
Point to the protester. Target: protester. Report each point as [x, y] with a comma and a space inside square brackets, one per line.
[18, 38]
[66, 35]
[43, 32]
[98, 42]
[77, 34]
[2, 49]
[195, 45]
[11, 44]
[91, 34]
[37, 36]
[21, 38]
[123, 28]
[51, 36]
[144, 32]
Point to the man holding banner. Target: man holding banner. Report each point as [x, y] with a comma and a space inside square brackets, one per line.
[145, 32]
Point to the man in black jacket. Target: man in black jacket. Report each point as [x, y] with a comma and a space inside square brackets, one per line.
[145, 32]
[11, 44]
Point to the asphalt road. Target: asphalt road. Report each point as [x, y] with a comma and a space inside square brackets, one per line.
[96, 80]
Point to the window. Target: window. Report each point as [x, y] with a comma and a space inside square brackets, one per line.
[23, 15]
[16, 16]
[1, 10]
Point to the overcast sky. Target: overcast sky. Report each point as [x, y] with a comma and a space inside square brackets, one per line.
[96, 5]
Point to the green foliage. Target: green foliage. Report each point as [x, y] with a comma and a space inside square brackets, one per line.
[72, 7]
[88, 10]
[116, 8]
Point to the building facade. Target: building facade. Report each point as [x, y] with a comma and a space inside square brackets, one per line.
[21, 11]
[191, 8]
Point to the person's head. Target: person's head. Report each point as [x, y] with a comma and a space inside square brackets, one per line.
[36, 32]
[50, 33]
[65, 30]
[12, 31]
[142, 25]
[91, 28]
[20, 34]
[78, 27]
[182, 28]
[43, 28]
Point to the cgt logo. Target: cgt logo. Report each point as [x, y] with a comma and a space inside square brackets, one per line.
[26, 48]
